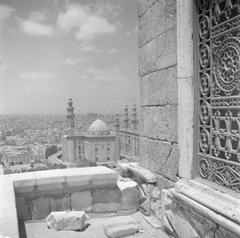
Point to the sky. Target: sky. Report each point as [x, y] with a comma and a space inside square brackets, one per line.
[53, 49]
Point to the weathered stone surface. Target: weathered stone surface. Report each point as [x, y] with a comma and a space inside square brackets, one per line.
[60, 203]
[40, 208]
[121, 231]
[106, 207]
[130, 194]
[70, 220]
[156, 20]
[81, 200]
[148, 58]
[106, 195]
[160, 157]
[160, 87]
[166, 45]
[23, 209]
[121, 226]
[137, 173]
[160, 122]
[163, 183]
[144, 5]
[159, 53]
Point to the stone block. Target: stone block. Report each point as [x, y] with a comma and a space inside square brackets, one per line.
[166, 49]
[157, 20]
[106, 196]
[121, 226]
[159, 122]
[144, 5]
[67, 220]
[60, 203]
[130, 194]
[106, 207]
[81, 200]
[160, 157]
[40, 208]
[23, 209]
[160, 87]
[148, 58]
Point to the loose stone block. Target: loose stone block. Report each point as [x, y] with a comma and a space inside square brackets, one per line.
[121, 231]
[121, 226]
[160, 88]
[81, 200]
[130, 194]
[160, 122]
[70, 220]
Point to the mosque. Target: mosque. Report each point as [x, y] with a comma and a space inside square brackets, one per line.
[98, 144]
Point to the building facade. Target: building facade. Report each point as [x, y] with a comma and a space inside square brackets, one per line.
[96, 145]
[189, 73]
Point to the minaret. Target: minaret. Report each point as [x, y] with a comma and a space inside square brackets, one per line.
[117, 144]
[126, 119]
[70, 117]
[134, 117]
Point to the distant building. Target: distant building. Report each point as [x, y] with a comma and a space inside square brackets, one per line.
[96, 145]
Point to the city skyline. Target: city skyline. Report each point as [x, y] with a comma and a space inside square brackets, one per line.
[51, 50]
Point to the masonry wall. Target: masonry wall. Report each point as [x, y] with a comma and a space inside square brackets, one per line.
[158, 88]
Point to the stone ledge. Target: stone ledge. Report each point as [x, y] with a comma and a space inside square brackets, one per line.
[220, 207]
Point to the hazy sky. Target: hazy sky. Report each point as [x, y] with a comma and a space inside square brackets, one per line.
[50, 49]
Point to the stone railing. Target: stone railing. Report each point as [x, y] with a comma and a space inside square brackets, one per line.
[129, 144]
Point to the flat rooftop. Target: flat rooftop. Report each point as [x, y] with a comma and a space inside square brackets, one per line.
[38, 229]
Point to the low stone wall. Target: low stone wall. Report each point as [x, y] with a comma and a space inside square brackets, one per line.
[90, 189]
[34, 195]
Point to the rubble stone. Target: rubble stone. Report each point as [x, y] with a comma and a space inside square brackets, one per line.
[67, 220]
[121, 226]
[130, 194]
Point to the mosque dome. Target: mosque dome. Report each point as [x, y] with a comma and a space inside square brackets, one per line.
[99, 127]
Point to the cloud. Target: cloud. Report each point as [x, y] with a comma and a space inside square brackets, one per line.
[36, 25]
[90, 48]
[37, 75]
[113, 51]
[5, 13]
[71, 61]
[111, 75]
[86, 23]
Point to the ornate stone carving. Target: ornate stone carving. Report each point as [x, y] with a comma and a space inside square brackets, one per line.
[218, 125]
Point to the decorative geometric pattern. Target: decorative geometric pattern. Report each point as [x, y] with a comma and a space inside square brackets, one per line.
[218, 126]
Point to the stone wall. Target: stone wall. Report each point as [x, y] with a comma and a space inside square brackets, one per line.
[158, 85]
